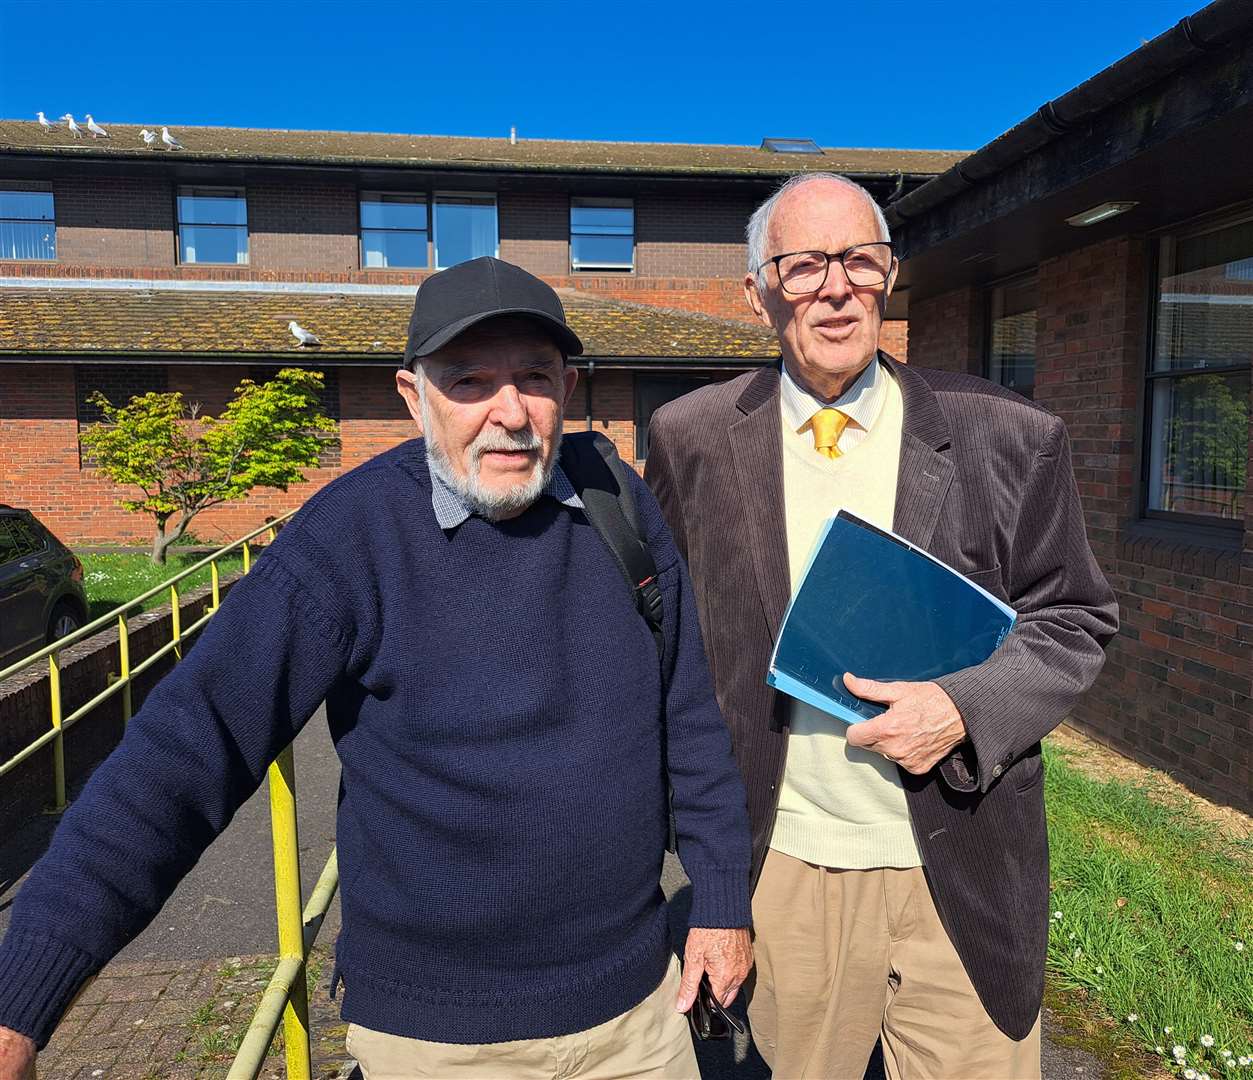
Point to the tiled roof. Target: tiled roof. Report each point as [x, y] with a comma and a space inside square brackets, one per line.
[462, 153]
[134, 321]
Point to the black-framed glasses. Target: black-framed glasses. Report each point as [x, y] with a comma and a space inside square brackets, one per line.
[802, 272]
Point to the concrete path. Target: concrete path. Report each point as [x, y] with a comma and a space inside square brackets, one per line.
[175, 1000]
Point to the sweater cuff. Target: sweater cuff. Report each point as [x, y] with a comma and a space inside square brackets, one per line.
[39, 977]
[720, 897]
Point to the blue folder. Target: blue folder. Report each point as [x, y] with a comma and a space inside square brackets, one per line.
[873, 604]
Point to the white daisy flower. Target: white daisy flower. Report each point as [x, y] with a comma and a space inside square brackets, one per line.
[1167, 1030]
[1189, 1074]
[1226, 1053]
[1179, 1051]
[1239, 946]
[1132, 1018]
[1207, 1041]
[1057, 915]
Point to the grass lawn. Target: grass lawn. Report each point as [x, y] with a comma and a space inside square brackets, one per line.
[1151, 938]
[111, 580]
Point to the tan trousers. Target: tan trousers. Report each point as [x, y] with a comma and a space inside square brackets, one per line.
[650, 1040]
[848, 956]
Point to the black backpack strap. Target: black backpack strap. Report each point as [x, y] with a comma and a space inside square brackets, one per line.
[591, 463]
[593, 466]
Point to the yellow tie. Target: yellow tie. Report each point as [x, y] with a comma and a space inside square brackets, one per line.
[828, 425]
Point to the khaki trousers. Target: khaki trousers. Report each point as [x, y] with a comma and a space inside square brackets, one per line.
[650, 1040]
[848, 956]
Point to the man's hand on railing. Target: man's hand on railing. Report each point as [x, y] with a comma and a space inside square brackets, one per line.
[17, 1056]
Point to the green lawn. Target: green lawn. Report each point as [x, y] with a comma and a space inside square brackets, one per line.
[111, 580]
[1152, 920]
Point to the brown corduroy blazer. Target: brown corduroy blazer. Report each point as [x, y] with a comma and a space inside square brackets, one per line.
[986, 485]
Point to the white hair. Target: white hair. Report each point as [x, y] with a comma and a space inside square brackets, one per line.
[759, 223]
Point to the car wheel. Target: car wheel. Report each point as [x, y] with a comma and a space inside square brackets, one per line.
[64, 621]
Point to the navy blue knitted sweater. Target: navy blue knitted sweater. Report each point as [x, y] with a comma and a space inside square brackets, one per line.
[505, 731]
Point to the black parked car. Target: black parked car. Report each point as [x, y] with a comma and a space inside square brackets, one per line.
[41, 586]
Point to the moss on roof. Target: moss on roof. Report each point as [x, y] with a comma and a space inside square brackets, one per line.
[78, 321]
[464, 153]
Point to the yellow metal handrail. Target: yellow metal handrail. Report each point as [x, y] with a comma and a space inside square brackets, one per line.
[122, 684]
[286, 998]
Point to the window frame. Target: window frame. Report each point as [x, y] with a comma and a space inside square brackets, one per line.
[27, 190]
[205, 190]
[611, 201]
[1208, 523]
[429, 231]
[434, 220]
[989, 292]
[696, 380]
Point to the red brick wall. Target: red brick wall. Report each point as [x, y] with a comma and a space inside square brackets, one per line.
[946, 331]
[1176, 691]
[294, 226]
[121, 222]
[535, 231]
[691, 235]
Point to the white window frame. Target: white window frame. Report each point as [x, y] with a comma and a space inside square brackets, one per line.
[434, 207]
[608, 201]
[206, 190]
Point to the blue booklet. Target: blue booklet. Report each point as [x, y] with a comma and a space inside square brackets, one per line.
[872, 603]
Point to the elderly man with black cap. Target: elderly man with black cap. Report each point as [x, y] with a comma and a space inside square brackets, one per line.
[509, 728]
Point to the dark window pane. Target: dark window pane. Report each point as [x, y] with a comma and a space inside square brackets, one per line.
[616, 220]
[227, 208]
[28, 540]
[465, 228]
[606, 251]
[213, 244]
[1199, 455]
[651, 393]
[26, 205]
[382, 248]
[393, 212]
[1011, 338]
[28, 240]
[1205, 302]
[8, 543]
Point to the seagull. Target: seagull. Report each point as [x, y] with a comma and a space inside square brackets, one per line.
[302, 335]
[75, 130]
[149, 137]
[45, 123]
[97, 132]
[169, 139]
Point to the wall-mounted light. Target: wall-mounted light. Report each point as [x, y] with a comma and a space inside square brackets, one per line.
[1103, 212]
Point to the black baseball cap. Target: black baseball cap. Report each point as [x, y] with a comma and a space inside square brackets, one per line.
[452, 301]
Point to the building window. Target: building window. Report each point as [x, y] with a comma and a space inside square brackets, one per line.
[602, 234]
[651, 393]
[1198, 378]
[465, 228]
[1011, 335]
[212, 225]
[394, 230]
[28, 227]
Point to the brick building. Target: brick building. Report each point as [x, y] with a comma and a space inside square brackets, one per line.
[1099, 257]
[125, 268]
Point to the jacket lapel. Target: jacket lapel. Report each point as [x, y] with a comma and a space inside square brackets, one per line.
[926, 469]
[757, 449]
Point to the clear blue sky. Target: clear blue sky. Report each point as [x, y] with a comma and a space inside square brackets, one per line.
[901, 73]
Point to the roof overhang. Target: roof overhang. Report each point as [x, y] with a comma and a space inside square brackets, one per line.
[1177, 147]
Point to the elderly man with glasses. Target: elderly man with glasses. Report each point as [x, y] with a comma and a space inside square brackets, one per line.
[901, 864]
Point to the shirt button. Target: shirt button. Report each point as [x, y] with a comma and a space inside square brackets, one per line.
[998, 770]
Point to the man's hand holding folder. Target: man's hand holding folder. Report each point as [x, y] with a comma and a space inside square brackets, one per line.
[920, 728]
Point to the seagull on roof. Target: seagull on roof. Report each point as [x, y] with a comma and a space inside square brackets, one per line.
[97, 132]
[75, 130]
[169, 139]
[44, 122]
[302, 335]
[149, 137]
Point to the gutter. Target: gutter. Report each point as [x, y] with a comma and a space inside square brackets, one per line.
[1211, 28]
[379, 359]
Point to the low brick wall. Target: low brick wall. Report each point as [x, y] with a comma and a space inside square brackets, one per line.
[25, 711]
